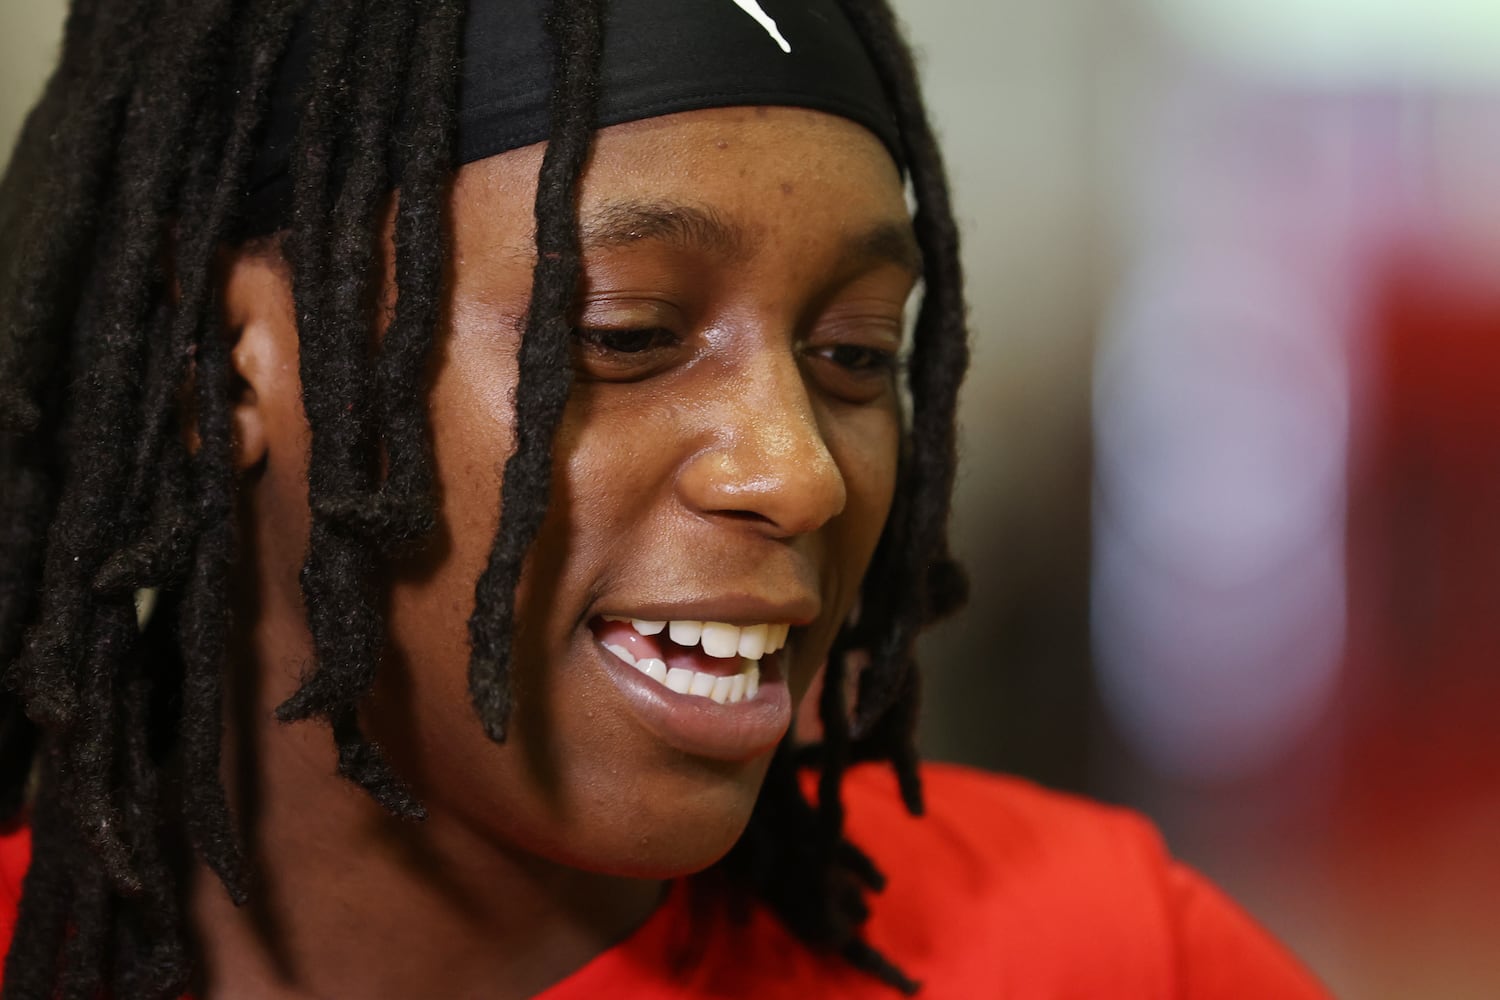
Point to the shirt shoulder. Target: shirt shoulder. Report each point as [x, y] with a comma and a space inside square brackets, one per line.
[15, 858]
[1008, 889]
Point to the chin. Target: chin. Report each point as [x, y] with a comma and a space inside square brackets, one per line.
[675, 826]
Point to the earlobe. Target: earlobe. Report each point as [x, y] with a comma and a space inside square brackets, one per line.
[250, 440]
[260, 319]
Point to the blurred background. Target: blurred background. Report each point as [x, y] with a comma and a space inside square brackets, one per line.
[1231, 493]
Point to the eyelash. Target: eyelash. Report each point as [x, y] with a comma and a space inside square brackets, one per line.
[867, 360]
[632, 341]
[632, 354]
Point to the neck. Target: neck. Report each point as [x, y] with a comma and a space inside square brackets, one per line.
[348, 901]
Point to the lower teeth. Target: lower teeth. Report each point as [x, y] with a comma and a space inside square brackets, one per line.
[723, 689]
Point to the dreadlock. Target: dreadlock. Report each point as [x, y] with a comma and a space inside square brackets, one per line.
[125, 188]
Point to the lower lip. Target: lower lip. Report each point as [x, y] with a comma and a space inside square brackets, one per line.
[702, 727]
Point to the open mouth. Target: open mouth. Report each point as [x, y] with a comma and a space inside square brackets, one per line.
[703, 659]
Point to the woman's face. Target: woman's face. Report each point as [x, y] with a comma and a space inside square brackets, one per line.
[728, 455]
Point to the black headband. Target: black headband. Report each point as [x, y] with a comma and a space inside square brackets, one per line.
[660, 57]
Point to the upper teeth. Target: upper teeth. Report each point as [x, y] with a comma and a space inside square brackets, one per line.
[719, 639]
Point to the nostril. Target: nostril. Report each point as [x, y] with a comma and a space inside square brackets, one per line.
[748, 516]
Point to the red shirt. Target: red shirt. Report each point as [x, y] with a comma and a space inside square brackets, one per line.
[1004, 890]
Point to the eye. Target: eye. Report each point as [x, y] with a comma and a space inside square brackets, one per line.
[855, 373]
[859, 359]
[625, 341]
[625, 354]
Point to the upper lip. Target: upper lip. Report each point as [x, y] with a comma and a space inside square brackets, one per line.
[739, 609]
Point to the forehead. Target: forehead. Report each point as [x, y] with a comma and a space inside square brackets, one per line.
[757, 172]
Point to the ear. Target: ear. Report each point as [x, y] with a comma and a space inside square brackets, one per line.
[260, 316]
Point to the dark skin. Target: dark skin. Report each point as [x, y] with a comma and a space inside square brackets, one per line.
[730, 446]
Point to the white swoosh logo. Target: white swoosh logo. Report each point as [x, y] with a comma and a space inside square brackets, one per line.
[753, 8]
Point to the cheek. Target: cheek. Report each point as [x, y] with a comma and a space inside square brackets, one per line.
[866, 445]
[616, 456]
[470, 415]
[432, 594]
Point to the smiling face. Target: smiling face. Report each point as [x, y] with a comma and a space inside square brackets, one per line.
[728, 454]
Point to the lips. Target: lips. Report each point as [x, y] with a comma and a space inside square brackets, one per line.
[715, 660]
[708, 688]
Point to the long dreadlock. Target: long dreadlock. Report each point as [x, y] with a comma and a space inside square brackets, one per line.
[108, 307]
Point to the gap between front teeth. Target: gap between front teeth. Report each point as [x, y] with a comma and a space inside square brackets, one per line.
[726, 690]
[718, 639]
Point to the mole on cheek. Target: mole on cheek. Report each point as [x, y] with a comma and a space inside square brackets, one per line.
[722, 144]
[787, 187]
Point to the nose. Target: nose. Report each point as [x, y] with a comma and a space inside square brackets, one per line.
[765, 458]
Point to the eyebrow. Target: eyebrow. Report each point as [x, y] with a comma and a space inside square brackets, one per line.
[624, 222]
[704, 230]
